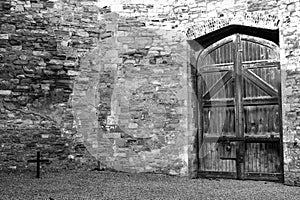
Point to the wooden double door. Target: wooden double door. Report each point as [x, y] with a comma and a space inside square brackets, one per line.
[238, 85]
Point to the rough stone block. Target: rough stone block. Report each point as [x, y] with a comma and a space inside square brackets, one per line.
[73, 73]
[125, 39]
[4, 36]
[112, 135]
[133, 125]
[69, 63]
[37, 5]
[110, 67]
[5, 92]
[112, 54]
[19, 8]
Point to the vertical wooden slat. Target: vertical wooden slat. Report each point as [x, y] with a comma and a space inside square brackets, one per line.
[246, 51]
[222, 120]
[258, 52]
[230, 52]
[264, 74]
[272, 158]
[268, 157]
[253, 158]
[217, 158]
[251, 155]
[225, 58]
[246, 119]
[221, 54]
[262, 55]
[212, 157]
[257, 157]
[209, 160]
[267, 53]
[249, 51]
[261, 157]
[227, 169]
[226, 48]
[204, 156]
[254, 52]
[217, 121]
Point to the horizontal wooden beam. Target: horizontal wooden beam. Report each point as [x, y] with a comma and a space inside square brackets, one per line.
[258, 101]
[261, 64]
[252, 139]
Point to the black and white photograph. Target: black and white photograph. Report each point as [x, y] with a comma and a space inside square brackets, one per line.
[149, 99]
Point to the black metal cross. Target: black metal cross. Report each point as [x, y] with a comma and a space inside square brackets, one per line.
[38, 162]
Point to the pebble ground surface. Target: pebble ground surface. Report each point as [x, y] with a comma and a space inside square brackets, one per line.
[94, 185]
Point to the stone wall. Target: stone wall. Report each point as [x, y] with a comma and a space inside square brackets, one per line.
[113, 82]
[132, 114]
[41, 43]
[290, 55]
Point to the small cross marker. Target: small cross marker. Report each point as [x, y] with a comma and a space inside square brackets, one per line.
[38, 162]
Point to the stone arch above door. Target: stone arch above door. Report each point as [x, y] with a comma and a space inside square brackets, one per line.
[258, 19]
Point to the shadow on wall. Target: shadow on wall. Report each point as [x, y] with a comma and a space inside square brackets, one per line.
[130, 100]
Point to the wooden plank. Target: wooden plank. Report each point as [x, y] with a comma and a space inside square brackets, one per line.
[258, 92]
[231, 52]
[217, 160]
[247, 139]
[213, 57]
[206, 157]
[218, 55]
[262, 157]
[251, 152]
[254, 157]
[272, 163]
[211, 160]
[218, 85]
[267, 53]
[226, 53]
[258, 157]
[245, 50]
[221, 120]
[244, 54]
[259, 82]
[216, 68]
[260, 41]
[258, 52]
[262, 64]
[233, 163]
[269, 169]
[249, 51]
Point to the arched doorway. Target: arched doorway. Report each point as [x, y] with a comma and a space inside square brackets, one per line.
[240, 131]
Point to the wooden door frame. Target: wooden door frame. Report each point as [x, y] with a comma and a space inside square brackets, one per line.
[238, 98]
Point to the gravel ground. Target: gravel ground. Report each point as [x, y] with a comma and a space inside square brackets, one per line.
[112, 185]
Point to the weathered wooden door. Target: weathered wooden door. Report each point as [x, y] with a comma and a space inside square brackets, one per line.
[239, 109]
